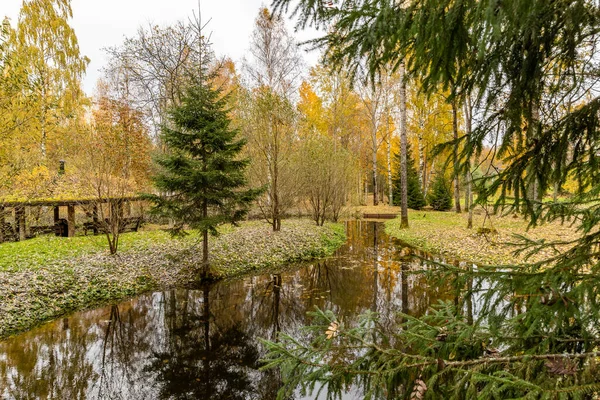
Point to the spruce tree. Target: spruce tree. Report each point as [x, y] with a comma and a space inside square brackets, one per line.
[202, 173]
[416, 200]
[440, 197]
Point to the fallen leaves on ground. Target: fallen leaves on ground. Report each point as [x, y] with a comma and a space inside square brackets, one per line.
[29, 295]
[446, 233]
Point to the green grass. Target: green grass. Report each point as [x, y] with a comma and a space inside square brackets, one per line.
[332, 243]
[39, 251]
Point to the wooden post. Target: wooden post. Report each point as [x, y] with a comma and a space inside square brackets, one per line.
[71, 219]
[56, 214]
[1, 224]
[28, 215]
[56, 219]
[20, 219]
[95, 218]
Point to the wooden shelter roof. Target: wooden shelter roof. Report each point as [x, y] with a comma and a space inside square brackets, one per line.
[64, 202]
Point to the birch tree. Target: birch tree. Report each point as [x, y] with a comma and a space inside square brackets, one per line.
[372, 98]
[273, 74]
[158, 63]
[468, 115]
[48, 51]
[403, 149]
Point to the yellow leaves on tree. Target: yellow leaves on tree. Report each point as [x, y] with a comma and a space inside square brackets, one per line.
[115, 149]
[46, 48]
[312, 113]
[40, 96]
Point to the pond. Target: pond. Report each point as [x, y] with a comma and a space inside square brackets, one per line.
[204, 343]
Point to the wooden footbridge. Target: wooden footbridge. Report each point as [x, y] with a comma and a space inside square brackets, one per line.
[380, 216]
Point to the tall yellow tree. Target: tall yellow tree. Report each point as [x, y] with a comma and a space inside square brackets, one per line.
[48, 53]
[343, 114]
[9, 83]
[311, 111]
[430, 122]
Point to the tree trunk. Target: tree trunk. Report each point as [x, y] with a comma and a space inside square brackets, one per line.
[422, 163]
[455, 151]
[205, 268]
[538, 191]
[403, 155]
[374, 161]
[56, 214]
[389, 154]
[43, 115]
[359, 188]
[428, 177]
[366, 191]
[468, 110]
[116, 218]
[469, 198]
[389, 165]
[275, 183]
[535, 192]
[20, 221]
[94, 218]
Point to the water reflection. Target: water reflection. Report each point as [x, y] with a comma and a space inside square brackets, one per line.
[190, 344]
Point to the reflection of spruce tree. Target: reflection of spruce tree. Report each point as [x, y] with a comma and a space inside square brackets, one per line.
[207, 365]
[416, 200]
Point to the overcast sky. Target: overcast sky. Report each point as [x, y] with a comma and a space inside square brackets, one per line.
[105, 23]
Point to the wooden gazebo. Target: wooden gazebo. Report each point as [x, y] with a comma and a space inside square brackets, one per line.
[19, 209]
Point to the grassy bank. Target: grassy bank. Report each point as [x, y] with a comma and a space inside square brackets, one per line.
[446, 233]
[46, 277]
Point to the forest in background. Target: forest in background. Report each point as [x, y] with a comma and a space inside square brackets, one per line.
[319, 138]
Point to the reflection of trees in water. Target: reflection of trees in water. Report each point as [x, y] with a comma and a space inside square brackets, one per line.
[121, 350]
[119, 361]
[198, 343]
[38, 367]
[203, 359]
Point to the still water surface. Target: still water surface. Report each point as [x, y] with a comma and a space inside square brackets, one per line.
[203, 344]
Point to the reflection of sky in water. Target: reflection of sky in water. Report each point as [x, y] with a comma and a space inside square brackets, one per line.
[160, 345]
